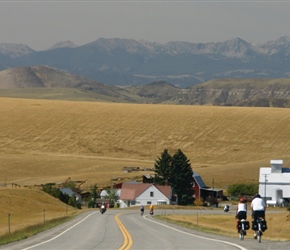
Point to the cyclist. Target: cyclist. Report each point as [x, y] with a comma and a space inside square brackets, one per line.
[103, 208]
[142, 209]
[241, 211]
[258, 209]
[151, 209]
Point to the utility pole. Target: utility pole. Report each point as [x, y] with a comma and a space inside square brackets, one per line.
[154, 144]
[213, 195]
[265, 189]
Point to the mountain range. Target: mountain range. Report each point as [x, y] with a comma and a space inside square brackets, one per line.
[127, 62]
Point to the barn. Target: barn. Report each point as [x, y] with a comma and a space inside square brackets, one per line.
[201, 191]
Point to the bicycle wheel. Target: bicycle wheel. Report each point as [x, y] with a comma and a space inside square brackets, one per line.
[242, 235]
[259, 236]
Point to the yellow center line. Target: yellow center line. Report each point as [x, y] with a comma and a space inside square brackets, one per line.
[128, 242]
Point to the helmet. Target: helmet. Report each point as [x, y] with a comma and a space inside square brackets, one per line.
[257, 196]
[242, 199]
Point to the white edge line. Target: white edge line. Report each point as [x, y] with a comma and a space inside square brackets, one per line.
[194, 235]
[59, 234]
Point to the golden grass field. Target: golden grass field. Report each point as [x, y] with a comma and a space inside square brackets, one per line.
[28, 207]
[44, 141]
[278, 226]
[48, 141]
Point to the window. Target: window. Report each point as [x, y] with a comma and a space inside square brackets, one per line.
[161, 202]
[151, 194]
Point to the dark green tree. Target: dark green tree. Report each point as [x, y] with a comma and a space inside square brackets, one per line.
[113, 196]
[72, 201]
[94, 192]
[163, 168]
[181, 179]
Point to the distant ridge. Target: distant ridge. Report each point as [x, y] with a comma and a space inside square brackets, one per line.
[43, 77]
[64, 44]
[239, 92]
[159, 92]
[219, 92]
[128, 62]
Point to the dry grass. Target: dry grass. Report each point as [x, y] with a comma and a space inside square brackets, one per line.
[278, 226]
[29, 207]
[45, 141]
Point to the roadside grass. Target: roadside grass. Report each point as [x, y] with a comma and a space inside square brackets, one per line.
[32, 230]
[225, 223]
[278, 226]
[23, 208]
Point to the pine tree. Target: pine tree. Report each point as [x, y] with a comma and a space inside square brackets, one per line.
[177, 172]
[181, 179]
[163, 168]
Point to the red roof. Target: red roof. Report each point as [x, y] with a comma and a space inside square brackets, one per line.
[131, 191]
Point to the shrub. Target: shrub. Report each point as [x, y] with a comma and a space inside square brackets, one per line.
[243, 189]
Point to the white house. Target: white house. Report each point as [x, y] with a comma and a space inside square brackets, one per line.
[274, 183]
[137, 194]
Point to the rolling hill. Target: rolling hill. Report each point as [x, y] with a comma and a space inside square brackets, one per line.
[43, 82]
[42, 79]
[48, 140]
[238, 92]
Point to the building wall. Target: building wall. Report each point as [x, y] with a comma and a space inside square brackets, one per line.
[145, 198]
[196, 190]
[269, 183]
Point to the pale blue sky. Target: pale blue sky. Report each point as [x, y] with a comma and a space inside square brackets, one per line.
[40, 24]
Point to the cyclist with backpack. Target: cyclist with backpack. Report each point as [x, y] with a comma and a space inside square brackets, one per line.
[258, 209]
[241, 211]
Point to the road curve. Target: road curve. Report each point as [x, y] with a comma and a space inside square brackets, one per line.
[127, 229]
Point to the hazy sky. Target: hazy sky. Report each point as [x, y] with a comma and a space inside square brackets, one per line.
[41, 24]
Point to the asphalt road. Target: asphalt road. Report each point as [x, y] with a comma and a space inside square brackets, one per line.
[127, 229]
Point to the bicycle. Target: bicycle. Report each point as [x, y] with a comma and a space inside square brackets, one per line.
[259, 227]
[243, 225]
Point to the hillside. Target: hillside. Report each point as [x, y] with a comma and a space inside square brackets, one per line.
[26, 207]
[42, 82]
[46, 141]
[239, 92]
[155, 92]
